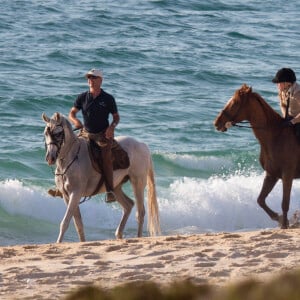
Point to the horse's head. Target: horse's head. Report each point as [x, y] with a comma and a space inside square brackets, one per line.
[54, 136]
[233, 112]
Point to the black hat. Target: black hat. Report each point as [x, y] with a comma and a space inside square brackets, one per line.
[284, 75]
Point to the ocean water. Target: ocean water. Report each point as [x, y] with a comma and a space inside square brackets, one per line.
[171, 65]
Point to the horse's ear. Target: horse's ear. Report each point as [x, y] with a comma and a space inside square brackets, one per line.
[57, 116]
[45, 118]
[245, 89]
[248, 90]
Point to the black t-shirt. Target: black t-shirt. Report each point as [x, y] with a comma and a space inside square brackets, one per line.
[96, 111]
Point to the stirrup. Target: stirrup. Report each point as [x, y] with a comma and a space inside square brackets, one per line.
[110, 197]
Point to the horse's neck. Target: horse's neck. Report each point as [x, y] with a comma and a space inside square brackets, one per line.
[69, 147]
[266, 132]
[265, 122]
[262, 115]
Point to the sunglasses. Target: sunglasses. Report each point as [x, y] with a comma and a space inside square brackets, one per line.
[92, 77]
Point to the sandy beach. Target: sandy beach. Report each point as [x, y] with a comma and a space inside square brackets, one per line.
[49, 271]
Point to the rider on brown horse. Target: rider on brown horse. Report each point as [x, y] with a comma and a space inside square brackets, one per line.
[289, 96]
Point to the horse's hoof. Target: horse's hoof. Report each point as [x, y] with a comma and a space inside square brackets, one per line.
[279, 219]
[110, 197]
[119, 236]
[284, 224]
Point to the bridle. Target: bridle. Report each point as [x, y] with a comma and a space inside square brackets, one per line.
[57, 139]
[236, 124]
[230, 118]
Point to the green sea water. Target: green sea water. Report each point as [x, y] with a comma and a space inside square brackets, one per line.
[171, 65]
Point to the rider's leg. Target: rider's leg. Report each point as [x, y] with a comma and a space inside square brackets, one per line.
[108, 172]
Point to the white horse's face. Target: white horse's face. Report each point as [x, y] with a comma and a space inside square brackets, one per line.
[54, 137]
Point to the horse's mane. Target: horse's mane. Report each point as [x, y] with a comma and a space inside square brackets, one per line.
[246, 91]
[60, 118]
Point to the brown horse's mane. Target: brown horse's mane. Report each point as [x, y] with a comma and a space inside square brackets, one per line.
[246, 91]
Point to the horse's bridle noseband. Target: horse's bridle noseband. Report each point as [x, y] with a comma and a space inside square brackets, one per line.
[228, 116]
[233, 123]
[56, 138]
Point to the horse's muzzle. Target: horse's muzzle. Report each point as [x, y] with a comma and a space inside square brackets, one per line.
[220, 126]
[51, 159]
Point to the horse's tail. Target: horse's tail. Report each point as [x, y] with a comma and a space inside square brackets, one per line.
[153, 212]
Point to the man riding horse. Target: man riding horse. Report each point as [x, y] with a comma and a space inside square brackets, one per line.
[96, 105]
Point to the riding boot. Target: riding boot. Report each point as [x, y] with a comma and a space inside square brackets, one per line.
[55, 193]
[108, 173]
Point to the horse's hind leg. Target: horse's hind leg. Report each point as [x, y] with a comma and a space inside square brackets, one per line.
[127, 205]
[138, 189]
[78, 224]
[268, 185]
[287, 186]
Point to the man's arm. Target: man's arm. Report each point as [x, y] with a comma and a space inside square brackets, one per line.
[72, 117]
[116, 120]
[110, 131]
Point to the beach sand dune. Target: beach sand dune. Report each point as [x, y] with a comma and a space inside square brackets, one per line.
[49, 271]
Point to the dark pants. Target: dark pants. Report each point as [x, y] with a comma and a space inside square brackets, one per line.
[107, 166]
[297, 130]
[105, 145]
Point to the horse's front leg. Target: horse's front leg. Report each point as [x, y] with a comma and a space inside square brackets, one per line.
[78, 224]
[285, 204]
[268, 185]
[72, 203]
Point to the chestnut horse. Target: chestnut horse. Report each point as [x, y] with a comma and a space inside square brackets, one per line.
[280, 149]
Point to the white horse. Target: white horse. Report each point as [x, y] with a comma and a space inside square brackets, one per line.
[75, 176]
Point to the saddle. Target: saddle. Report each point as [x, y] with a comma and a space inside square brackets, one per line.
[120, 157]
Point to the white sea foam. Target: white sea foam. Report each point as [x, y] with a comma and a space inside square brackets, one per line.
[188, 205]
[211, 163]
[220, 204]
[17, 199]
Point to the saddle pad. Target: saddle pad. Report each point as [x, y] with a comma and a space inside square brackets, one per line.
[120, 157]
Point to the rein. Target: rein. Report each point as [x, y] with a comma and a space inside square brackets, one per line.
[244, 126]
[66, 170]
[70, 164]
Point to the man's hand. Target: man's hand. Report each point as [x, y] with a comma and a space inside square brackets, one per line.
[72, 117]
[77, 124]
[110, 131]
